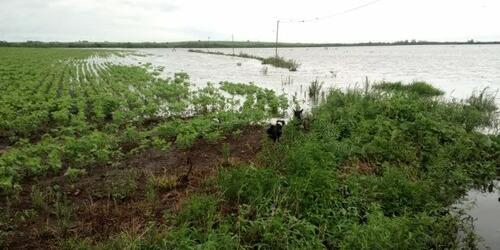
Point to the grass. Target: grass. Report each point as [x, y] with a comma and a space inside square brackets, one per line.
[281, 62]
[315, 90]
[278, 62]
[418, 88]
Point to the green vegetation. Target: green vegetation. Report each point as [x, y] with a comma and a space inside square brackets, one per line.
[281, 62]
[315, 90]
[60, 111]
[376, 171]
[278, 62]
[419, 88]
[377, 168]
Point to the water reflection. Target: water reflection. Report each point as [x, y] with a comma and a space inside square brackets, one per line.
[484, 207]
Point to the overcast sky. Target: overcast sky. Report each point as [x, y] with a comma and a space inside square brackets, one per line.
[178, 20]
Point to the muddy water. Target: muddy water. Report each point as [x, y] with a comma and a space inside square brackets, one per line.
[484, 207]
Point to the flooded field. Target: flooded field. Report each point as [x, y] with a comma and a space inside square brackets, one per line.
[458, 70]
[95, 153]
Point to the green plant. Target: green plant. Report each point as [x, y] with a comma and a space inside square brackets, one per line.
[123, 186]
[38, 198]
[162, 183]
[63, 211]
[226, 153]
[74, 173]
[246, 184]
[198, 211]
[315, 90]
[419, 88]
[281, 62]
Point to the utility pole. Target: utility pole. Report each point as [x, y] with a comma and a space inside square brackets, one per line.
[277, 32]
[232, 42]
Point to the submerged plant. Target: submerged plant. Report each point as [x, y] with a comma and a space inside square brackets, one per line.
[419, 88]
[315, 90]
[281, 62]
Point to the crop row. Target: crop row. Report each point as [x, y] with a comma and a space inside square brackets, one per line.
[59, 109]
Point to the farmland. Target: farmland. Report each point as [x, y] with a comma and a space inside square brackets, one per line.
[109, 156]
[64, 116]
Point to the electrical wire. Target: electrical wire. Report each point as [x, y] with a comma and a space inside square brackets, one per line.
[330, 16]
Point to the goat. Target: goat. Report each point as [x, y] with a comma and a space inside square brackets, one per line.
[275, 130]
[297, 114]
[300, 122]
[491, 187]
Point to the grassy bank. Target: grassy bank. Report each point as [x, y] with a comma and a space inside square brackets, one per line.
[103, 156]
[278, 62]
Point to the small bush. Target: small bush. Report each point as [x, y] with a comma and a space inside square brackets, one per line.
[281, 62]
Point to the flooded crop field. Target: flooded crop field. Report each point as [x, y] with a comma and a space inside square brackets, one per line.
[171, 149]
[459, 70]
[244, 125]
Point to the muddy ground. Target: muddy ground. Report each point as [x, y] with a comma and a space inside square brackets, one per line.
[107, 200]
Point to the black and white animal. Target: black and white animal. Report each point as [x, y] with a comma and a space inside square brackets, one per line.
[275, 130]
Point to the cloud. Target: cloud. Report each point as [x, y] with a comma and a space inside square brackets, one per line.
[149, 5]
[169, 20]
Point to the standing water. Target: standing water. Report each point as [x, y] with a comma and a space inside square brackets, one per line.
[457, 69]
[484, 207]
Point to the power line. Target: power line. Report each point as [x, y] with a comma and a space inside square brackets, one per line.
[330, 16]
[319, 18]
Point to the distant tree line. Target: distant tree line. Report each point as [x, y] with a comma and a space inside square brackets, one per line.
[218, 44]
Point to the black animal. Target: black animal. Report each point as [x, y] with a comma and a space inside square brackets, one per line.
[303, 123]
[491, 187]
[275, 130]
[297, 114]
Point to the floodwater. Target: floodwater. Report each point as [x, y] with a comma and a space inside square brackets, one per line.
[457, 69]
[484, 207]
